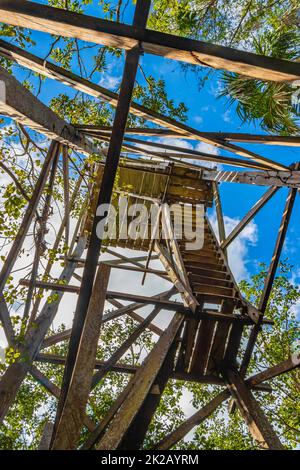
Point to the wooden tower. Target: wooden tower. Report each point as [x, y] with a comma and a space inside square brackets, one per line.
[203, 339]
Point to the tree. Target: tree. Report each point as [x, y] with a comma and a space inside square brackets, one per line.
[24, 423]
[261, 26]
[22, 152]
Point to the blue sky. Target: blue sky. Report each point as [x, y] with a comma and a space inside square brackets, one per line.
[206, 112]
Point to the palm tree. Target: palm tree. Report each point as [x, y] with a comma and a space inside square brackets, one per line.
[269, 102]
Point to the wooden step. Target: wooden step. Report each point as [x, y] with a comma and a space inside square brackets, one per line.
[202, 271]
[212, 290]
[197, 264]
[196, 279]
[202, 260]
[216, 299]
[192, 255]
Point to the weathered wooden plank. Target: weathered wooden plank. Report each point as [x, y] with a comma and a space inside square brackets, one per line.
[260, 162]
[40, 236]
[219, 211]
[136, 432]
[50, 70]
[71, 419]
[46, 436]
[258, 424]
[60, 360]
[137, 299]
[290, 141]
[128, 343]
[6, 321]
[104, 197]
[88, 28]
[197, 418]
[22, 106]
[140, 386]
[285, 366]
[259, 178]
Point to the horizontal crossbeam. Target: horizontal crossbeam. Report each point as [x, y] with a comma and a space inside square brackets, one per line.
[258, 178]
[21, 105]
[88, 28]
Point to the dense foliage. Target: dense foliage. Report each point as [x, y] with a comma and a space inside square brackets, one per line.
[267, 27]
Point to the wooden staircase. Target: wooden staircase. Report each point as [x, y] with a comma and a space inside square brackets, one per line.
[206, 344]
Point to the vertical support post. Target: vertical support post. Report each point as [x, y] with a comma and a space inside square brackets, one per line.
[110, 170]
[136, 433]
[46, 436]
[219, 211]
[40, 237]
[29, 213]
[270, 278]
[140, 386]
[73, 413]
[14, 375]
[65, 158]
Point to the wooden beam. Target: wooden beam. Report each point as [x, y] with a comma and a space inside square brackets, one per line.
[259, 178]
[219, 212]
[6, 321]
[183, 288]
[289, 141]
[117, 355]
[60, 360]
[260, 162]
[287, 212]
[55, 391]
[197, 418]
[46, 436]
[70, 420]
[285, 366]
[29, 214]
[14, 375]
[137, 299]
[258, 424]
[136, 432]
[39, 238]
[112, 34]
[249, 216]
[140, 386]
[22, 106]
[104, 197]
[66, 178]
[52, 71]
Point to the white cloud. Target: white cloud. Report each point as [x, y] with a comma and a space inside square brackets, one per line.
[2, 355]
[198, 119]
[207, 148]
[238, 250]
[227, 116]
[175, 142]
[109, 81]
